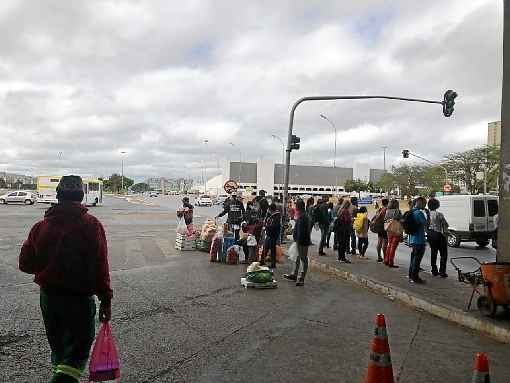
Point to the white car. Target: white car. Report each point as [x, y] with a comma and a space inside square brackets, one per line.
[221, 199]
[25, 197]
[203, 200]
[153, 194]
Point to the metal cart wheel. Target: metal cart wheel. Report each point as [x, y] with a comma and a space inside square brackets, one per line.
[486, 306]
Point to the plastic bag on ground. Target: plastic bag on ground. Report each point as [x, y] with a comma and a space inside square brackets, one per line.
[181, 227]
[292, 253]
[104, 363]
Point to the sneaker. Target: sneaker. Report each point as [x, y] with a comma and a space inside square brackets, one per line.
[393, 266]
[300, 282]
[419, 280]
[322, 253]
[434, 273]
[290, 277]
[345, 260]
[443, 275]
[380, 259]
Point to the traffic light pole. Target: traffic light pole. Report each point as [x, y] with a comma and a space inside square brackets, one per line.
[432, 163]
[330, 98]
[503, 253]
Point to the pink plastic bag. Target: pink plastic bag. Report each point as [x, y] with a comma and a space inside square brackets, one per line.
[104, 364]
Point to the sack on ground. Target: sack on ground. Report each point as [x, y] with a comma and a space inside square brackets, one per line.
[216, 245]
[233, 255]
[263, 276]
[292, 253]
[104, 362]
[181, 227]
[409, 223]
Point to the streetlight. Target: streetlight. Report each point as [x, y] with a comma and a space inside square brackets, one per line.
[384, 147]
[240, 161]
[334, 158]
[122, 171]
[283, 146]
[205, 167]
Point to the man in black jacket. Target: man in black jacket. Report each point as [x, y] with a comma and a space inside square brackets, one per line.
[235, 209]
[321, 216]
[302, 238]
[272, 226]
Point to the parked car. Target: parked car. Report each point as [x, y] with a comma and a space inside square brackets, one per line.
[220, 200]
[472, 218]
[26, 197]
[203, 200]
[153, 194]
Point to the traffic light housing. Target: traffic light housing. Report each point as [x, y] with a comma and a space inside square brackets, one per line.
[449, 102]
[294, 144]
[405, 153]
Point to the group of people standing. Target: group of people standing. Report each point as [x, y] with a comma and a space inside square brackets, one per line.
[350, 226]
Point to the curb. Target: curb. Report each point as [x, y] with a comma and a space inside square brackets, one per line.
[449, 313]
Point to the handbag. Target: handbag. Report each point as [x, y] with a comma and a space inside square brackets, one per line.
[394, 227]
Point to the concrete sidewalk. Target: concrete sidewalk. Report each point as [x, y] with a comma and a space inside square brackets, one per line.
[444, 298]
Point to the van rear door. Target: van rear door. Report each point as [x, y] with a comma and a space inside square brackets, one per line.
[479, 217]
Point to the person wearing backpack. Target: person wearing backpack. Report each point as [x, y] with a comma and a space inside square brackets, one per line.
[360, 225]
[415, 223]
[393, 226]
[377, 226]
[438, 229]
[343, 228]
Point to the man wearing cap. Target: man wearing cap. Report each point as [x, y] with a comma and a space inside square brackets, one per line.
[235, 209]
[67, 252]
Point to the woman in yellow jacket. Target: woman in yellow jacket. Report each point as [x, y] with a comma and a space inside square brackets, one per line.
[361, 225]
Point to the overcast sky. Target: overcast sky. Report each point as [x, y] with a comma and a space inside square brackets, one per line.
[81, 81]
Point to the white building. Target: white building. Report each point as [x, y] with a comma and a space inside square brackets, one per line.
[269, 176]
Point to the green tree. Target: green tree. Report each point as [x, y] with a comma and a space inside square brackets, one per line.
[465, 166]
[140, 187]
[114, 183]
[387, 182]
[408, 179]
[356, 186]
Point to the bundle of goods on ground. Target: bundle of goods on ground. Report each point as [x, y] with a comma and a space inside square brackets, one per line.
[209, 230]
[258, 277]
[186, 236]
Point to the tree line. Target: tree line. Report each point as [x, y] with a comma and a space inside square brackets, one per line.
[464, 171]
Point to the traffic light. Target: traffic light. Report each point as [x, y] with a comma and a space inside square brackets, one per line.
[405, 153]
[449, 102]
[294, 144]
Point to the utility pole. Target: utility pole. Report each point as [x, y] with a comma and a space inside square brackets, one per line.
[122, 171]
[384, 147]
[503, 253]
[205, 167]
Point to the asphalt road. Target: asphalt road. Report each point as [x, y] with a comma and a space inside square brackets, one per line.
[179, 318]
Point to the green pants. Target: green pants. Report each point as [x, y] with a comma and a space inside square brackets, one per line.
[69, 323]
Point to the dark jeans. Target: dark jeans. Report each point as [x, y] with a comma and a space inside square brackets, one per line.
[270, 244]
[438, 244]
[362, 245]
[382, 243]
[324, 236]
[416, 257]
[343, 235]
[302, 257]
[353, 241]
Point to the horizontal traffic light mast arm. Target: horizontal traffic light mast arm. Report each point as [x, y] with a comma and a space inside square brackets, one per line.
[327, 98]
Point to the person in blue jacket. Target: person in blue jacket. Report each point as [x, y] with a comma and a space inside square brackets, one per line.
[417, 240]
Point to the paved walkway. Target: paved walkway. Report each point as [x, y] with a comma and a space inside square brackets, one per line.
[445, 298]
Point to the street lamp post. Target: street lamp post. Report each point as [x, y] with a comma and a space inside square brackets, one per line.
[205, 166]
[447, 103]
[283, 146]
[240, 161]
[334, 157]
[384, 147]
[122, 171]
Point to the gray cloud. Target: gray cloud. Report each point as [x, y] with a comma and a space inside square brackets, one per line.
[89, 79]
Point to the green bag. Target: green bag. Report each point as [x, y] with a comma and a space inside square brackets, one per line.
[263, 276]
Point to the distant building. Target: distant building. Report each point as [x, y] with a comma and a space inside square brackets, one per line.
[269, 176]
[494, 133]
[17, 181]
[165, 185]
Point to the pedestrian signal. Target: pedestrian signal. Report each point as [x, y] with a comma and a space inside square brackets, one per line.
[294, 143]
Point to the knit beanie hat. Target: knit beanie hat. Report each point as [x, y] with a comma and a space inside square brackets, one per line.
[70, 188]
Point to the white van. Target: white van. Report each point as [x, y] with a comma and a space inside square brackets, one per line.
[471, 218]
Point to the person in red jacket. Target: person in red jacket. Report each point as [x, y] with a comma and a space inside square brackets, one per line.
[67, 252]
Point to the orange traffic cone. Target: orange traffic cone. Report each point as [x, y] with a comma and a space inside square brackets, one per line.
[481, 369]
[380, 369]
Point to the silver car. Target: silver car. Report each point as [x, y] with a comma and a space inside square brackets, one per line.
[25, 197]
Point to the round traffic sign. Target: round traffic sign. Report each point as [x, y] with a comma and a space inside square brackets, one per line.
[230, 186]
[447, 188]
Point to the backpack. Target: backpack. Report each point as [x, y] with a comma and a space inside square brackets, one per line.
[377, 224]
[409, 222]
[357, 225]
